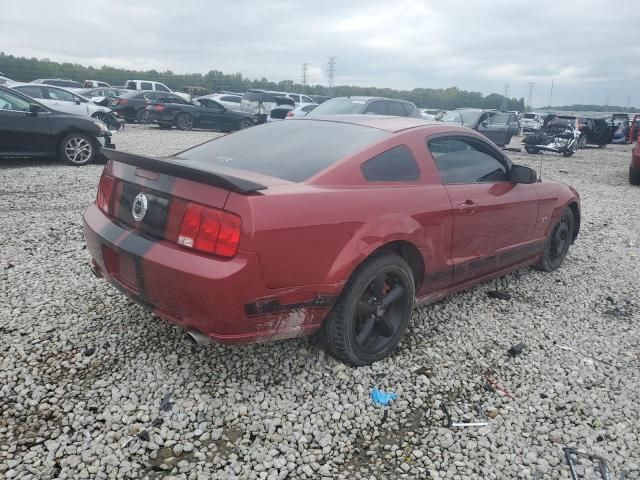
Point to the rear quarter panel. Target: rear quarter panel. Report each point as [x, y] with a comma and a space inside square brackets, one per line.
[319, 232]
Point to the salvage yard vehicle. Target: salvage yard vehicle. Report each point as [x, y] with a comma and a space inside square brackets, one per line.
[168, 112]
[58, 82]
[131, 105]
[634, 168]
[64, 100]
[249, 238]
[147, 85]
[30, 129]
[367, 105]
[558, 136]
[499, 127]
[95, 84]
[287, 112]
[532, 122]
[230, 101]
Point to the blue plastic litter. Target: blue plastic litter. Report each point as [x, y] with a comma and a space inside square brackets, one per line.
[382, 398]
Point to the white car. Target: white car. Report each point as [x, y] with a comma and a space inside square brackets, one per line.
[154, 86]
[95, 84]
[532, 122]
[232, 102]
[5, 81]
[285, 112]
[63, 100]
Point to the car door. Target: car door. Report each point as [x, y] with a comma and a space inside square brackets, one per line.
[496, 128]
[22, 132]
[214, 115]
[494, 220]
[64, 101]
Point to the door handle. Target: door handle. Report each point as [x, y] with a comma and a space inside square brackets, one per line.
[468, 207]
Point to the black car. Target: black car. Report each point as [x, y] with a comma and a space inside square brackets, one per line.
[367, 105]
[131, 105]
[593, 130]
[206, 113]
[29, 129]
[499, 127]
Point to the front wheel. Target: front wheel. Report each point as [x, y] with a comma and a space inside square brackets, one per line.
[101, 116]
[558, 243]
[142, 116]
[77, 149]
[184, 121]
[245, 124]
[582, 142]
[372, 313]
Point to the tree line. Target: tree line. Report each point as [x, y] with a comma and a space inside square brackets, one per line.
[27, 69]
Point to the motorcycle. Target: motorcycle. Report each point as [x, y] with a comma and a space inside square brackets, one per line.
[555, 138]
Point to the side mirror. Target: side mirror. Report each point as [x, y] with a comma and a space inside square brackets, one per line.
[522, 174]
[34, 109]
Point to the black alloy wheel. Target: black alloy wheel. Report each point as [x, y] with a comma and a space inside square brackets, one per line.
[373, 311]
[558, 242]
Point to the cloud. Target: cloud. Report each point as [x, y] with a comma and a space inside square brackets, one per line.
[589, 48]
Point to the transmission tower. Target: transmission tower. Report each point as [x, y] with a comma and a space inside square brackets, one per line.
[331, 70]
[530, 96]
[505, 97]
[305, 71]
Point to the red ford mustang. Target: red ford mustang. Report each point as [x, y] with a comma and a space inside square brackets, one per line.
[334, 224]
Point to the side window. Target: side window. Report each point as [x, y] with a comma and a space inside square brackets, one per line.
[500, 119]
[395, 165]
[306, 99]
[146, 86]
[57, 94]
[466, 161]
[230, 99]
[161, 88]
[376, 108]
[33, 92]
[152, 95]
[131, 85]
[9, 101]
[396, 109]
[308, 108]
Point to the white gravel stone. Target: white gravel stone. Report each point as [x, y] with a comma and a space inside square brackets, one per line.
[83, 370]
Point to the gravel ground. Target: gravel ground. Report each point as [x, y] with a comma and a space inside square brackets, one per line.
[94, 386]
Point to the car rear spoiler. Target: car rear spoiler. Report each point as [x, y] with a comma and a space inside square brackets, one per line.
[179, 168]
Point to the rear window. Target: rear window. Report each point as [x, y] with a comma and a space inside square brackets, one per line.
[261, 149]
[267, 97]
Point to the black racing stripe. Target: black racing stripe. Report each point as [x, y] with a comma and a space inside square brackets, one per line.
[273, 305]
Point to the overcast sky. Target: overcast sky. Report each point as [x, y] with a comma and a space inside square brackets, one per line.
[590, 48]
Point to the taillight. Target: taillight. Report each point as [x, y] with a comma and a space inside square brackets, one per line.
[122, 101]
[290, 113]
[159, 108]
[105, 192]
[210, 230]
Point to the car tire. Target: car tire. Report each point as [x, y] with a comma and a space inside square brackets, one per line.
[532, 150]
[142, 115]
[634, 176]
[102, 117]
[184, 121]
[369, 319]
[77, 149]
[582, 142]
[558, 243]
[246, 123]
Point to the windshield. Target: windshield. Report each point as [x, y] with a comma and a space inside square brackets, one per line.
[530, 116]
[452, 117]
[261, 149]
[339, 106]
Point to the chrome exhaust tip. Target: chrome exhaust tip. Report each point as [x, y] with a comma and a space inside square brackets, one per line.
[198, 338]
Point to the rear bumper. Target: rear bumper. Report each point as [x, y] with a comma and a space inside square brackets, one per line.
[635, 158]
[224, 299]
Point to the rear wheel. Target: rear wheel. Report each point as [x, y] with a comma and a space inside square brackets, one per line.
[101, 116]
[77, 149]
[634, 176]
[142, 116]
[184, 121]
[245, 124]
[373, 311]
[558, 243]
[582, 142]
[531, 150]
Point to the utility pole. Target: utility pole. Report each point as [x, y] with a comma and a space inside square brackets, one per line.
[305, 71]
[550, 95]
[505, 97]
[606, 103]
[331, 71]
[628, 102]
[530, 96]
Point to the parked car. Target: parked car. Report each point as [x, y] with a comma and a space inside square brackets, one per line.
[284, 112]
[593, 130]
[131, 106]
[99, 95]
[319, 98]
[260, 102]
[64, 100]
[228, 100]
[168, 112]
[634, 129]
[58, 82]
[430, 114]
[634, 168]
[499, 127]
[146, 85]
[619, 127]
[250, 237]
[5, 81]
[532, 122]
[367, 105]
[95, 84]
[31, 129]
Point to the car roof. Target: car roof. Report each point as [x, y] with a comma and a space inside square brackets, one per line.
[381, 122]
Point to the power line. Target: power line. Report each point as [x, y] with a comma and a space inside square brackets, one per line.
[505, 97]
[331, 71]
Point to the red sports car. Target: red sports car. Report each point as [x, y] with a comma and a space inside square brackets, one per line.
[331, 224]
